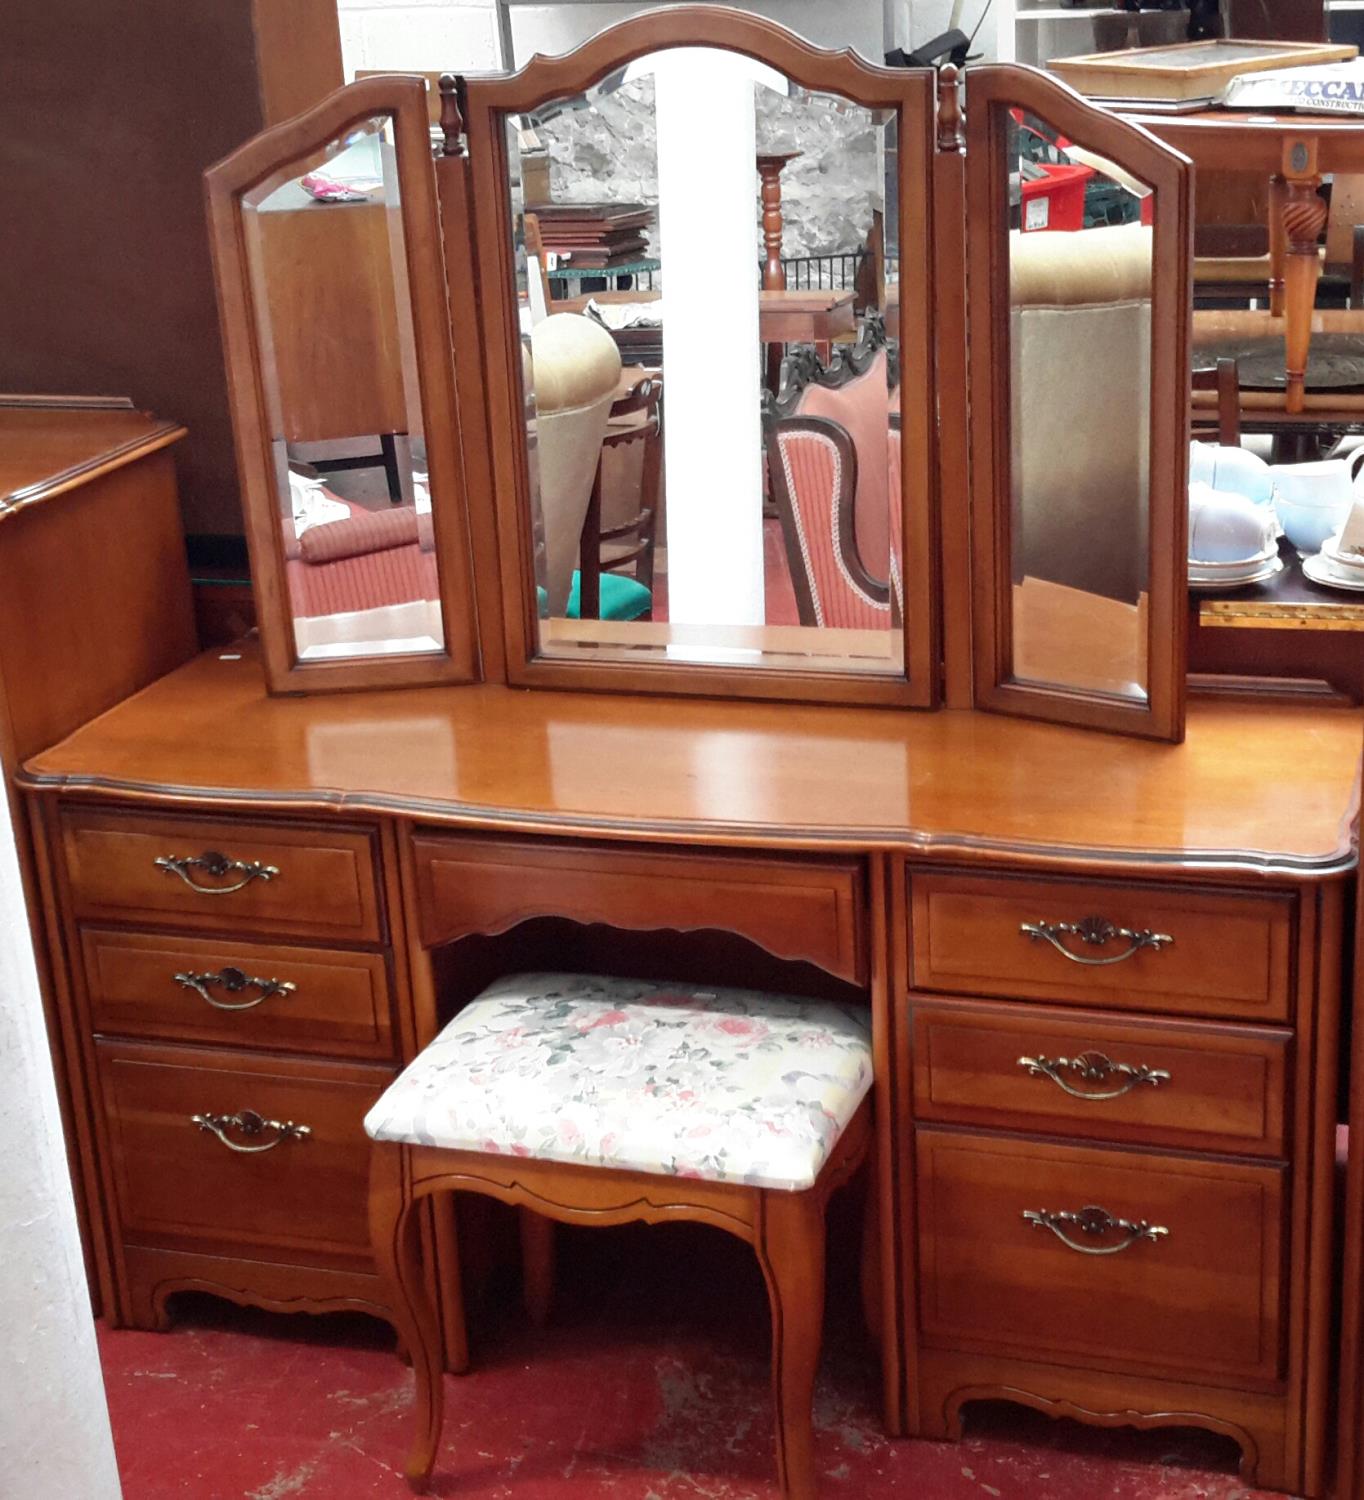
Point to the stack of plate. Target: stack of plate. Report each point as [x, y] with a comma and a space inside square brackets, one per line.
[1334, 568]
[1239, 572]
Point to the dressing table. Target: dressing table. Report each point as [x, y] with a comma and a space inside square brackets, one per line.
[1099, 930]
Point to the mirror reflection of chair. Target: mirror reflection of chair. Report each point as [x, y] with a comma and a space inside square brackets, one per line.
[621, 524]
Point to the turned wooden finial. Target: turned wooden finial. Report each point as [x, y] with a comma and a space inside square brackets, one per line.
[451, 114]
[951, 134]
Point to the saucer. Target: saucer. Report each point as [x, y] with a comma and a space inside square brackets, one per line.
[1350, 564]
[1237, 565]
[1260, 573]
[1320, 570]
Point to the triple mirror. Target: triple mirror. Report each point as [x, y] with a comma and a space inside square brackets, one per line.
[332, 285]
[711, 281]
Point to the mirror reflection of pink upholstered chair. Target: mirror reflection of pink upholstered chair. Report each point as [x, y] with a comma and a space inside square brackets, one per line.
[813, 473]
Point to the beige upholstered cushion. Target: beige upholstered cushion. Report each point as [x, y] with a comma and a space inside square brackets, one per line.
[1081, 382]
[1106, 265]
[575, 369]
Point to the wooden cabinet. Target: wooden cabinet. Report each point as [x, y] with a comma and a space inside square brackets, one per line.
[1134, 1188]
[228, 1070]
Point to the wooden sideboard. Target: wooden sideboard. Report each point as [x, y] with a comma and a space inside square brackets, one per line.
[256, 908]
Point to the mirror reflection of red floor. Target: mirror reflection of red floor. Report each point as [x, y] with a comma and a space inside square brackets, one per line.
[651, 1383]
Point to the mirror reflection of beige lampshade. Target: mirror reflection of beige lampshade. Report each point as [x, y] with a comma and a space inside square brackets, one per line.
[574, 373]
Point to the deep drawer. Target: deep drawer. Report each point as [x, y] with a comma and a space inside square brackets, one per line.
[1203, 1299]
[238, 994]
[178, 1183]
[803, 909]
[214, 873]
[1199, 1085]
[1227, 955]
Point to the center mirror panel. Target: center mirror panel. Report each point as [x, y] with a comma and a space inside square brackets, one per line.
[708, 371]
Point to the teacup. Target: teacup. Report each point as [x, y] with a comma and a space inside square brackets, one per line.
[1312, 500]
[1235, 471]
[1227, 528]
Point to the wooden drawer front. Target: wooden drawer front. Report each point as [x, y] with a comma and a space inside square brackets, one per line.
[810, 910]
[323, 883]
[240, 994]
[1160, 1083]
[1230, 954]
[1202, 1300]
[177, 1182]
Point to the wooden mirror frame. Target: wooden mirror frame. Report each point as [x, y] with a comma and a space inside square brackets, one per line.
[404, 99]
[991, 92]
[484, 102]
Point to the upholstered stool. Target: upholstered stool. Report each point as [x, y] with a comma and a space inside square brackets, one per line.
[601, 1101]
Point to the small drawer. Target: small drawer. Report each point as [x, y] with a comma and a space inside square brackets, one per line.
[801, 909]
[1117, 1260]
[230, 1151]
[238, 994]
[222, 873]
[1190, 1084]
[1194, 951]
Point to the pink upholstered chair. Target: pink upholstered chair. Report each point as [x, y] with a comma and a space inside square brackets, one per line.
[812, 467]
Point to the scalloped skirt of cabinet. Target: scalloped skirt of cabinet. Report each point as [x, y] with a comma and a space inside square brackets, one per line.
[235, 1153]
[1101, 1258]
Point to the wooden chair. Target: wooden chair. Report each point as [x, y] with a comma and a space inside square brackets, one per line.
[1225, 380]
[735, 1108]
[609, 543]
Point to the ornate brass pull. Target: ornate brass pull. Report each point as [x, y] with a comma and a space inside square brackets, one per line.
[250, 1124]
[1094, 932]
[217, 865]
[1093, 1067]
[1094, 1222]
[234, 981]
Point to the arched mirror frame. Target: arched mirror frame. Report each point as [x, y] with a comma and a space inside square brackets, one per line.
[485, 103]
[992, 91]
[404, 100]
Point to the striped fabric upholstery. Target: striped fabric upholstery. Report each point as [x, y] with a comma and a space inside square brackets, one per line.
[370, 560]
[819, 486]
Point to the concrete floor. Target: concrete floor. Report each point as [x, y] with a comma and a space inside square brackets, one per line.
[650, 1384]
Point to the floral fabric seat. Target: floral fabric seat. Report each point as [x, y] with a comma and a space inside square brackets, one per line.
[729, 1085]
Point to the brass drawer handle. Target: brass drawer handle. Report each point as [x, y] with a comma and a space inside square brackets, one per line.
[217, 865]
[1094, 1222]
[250, 1124]
[1094, 932]
[234, 981]
[1093, 1067]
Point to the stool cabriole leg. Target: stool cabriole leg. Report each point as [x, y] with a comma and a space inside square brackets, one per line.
[537, 1265]
[791, 1251]
[395, 1241]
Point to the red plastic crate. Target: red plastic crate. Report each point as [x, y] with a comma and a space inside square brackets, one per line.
[1056, 201]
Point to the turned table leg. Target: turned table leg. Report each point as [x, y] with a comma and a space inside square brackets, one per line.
[1303, 218]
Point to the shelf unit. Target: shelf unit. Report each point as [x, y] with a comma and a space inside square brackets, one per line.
[1031, 31]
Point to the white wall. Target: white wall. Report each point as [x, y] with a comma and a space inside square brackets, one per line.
[54, 1425]
[462, 36]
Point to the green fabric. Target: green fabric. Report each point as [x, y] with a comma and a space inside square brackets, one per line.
[621, 598]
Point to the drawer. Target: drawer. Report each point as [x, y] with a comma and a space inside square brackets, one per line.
[222, 873]
[238, 994]
[800, 909]
[179, 1184]
[1200, 1300]
[1189, 1084]
[1228, 954]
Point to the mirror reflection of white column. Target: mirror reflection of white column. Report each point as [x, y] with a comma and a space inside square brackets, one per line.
[707, 219]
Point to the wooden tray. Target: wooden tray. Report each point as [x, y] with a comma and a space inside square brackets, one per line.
[1188, 70]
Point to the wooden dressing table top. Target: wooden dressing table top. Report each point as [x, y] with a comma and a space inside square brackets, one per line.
[1255, 787]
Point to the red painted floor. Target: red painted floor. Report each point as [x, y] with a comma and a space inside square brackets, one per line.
[651, 1384]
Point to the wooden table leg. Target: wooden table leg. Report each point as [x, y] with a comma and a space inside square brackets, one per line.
[1303, 219]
